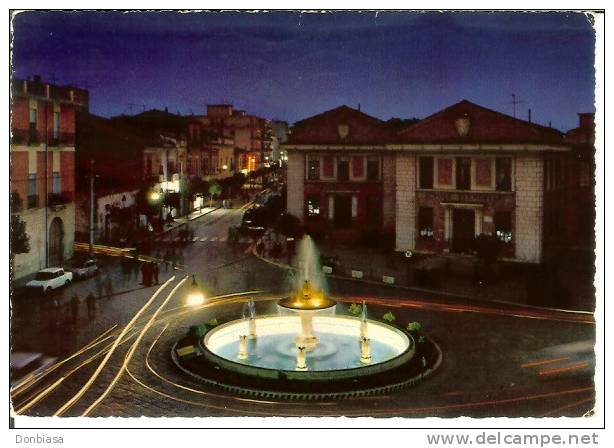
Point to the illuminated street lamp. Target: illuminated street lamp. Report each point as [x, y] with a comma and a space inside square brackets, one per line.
[155, 196]
[195, 296]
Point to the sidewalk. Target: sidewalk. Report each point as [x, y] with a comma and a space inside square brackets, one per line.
[448, 275]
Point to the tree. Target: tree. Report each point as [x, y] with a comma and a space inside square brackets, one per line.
[414, 327]
[355, 309]
[20, 241]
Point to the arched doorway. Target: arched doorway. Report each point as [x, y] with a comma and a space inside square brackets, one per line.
[56, 242]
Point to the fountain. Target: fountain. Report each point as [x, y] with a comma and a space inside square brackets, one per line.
[306, 340]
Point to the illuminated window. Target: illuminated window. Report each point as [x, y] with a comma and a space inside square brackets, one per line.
[503, 227]
[425, 223]
[313, 206]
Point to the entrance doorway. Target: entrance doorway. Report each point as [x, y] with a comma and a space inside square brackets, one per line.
[343, 212]
[463, 230]
[56, 243]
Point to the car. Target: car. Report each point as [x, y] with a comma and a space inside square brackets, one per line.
[85, 270]
[49, 279]
[26, 365]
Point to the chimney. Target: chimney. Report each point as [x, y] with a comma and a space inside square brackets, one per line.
[358, 107]
[530, 116]
[587, 121]
[549, 124]
[166, 109]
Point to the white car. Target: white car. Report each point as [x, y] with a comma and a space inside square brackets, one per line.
[25, 366]
[48, 279]
[87, 269]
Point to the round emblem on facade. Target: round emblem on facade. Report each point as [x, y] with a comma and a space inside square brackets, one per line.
[343, 130]
[462, 125]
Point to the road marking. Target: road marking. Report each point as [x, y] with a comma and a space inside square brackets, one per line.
[128, 356]
[91, 380]
[541, 363]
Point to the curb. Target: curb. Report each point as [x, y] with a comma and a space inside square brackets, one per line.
[421, 290]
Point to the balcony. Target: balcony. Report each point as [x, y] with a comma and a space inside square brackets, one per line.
[33, 137]
[33, 201]
[56, 199]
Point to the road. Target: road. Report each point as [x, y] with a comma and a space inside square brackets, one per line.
[498, 360]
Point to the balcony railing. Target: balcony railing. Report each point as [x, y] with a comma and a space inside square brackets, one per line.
[64, 197]
[31, 137]
[33, 201]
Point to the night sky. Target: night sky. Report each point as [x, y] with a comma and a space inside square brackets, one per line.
[290, 66]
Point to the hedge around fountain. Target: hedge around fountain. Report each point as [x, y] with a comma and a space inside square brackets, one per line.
[406, 375]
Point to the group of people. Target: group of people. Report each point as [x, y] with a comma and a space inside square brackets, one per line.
[150, 272]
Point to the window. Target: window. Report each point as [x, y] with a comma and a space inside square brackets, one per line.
[33, 134]
[313, 168]
[552, 174]
[503, 226]
[343, 169]
[313, 206]
[32, 194]
[57, 183]
[463, 173]
[503, 168]
[56, 125]
[426, 172]
[425, 223]
[373, 168]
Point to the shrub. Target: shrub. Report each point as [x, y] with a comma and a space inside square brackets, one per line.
[213, 322]
[389, 317]
[414, 327]
[355, 309]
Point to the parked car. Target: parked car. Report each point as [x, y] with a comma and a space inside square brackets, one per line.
[25, 365]
[85, 270]
[48, 279]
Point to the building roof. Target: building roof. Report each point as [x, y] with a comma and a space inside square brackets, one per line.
[466, 122]
[342, 125]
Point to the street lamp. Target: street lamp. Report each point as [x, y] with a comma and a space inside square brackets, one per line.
[154, 196]
[195, 296]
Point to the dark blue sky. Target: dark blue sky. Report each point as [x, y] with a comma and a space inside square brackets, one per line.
[290, 66]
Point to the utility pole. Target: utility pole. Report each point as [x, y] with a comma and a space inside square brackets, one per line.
[91, 226]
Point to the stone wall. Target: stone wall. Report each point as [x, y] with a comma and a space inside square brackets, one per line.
[405, 201]
[529, 208]
[296, 183]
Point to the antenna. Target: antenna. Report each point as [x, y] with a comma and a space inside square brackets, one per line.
[514, 103]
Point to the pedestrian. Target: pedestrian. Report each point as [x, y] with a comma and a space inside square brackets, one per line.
[108, 286]
[91, 306]
[74, 308]
[156, 271]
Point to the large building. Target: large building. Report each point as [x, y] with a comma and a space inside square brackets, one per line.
[432, 187]
[234, 141]
[43, 169]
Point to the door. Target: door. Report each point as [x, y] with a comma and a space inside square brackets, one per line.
[463, 230]
[56, 242]
[343, 212]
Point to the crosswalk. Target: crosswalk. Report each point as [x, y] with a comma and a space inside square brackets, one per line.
[215, 239]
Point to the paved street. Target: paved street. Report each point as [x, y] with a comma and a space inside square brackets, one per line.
[498, 360]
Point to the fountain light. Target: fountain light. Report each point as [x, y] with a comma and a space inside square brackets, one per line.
[365, 350]
[195, 296]
[301, 358]
[242, 347]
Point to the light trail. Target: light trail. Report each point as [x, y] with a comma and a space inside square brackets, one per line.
[568, 406]
[33, 380]
[89, 383]
[544, 362]
[132, 350]
[39, 397]
[581, 365]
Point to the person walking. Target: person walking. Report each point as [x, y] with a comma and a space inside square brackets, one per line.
[156, 271]
[91, 306]
[74, 309]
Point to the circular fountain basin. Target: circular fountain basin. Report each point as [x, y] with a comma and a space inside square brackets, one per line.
[337, 355]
